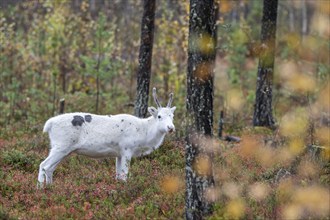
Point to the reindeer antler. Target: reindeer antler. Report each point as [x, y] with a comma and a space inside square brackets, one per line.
[170, 101]
[155, 98]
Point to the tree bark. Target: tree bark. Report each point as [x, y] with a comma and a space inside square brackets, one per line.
[145, 58]
[201, 58]
[304, 19]
[62, 106]
[291, 17]
[263, 115]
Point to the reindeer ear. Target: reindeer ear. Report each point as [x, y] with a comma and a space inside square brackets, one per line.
[173, 109]
[153, 111]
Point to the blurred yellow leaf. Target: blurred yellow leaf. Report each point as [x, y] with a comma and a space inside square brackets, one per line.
[266, 156]
[313, 198]
[234, 99]
[325, 154]
[231, 190]
[235, 208]
[206, 44]
[284, 156]
[212, 194]
[296, 146]
[259, 191]
[311, 42]
[249, 146]
[203, 44]
[203, 165]
[292, 39]
[301, 83]
[292, 211]
[294, 123]
[171, 184]
[204, 71]
[323, 100]
[308, 169]
[289, 72]
[323, 135]
[225, 6]
[240, 37]
[287, 68]
[285, 191]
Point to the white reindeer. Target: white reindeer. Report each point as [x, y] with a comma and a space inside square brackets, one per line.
[122, 136]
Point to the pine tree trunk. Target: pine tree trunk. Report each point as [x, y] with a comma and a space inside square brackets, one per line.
[304, 19]
[291, 17]
[201, 58]
[263, 115]
[145, 58]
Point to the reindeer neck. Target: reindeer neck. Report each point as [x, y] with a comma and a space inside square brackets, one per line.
[154, 137]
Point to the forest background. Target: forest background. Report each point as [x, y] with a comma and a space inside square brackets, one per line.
[49, 49]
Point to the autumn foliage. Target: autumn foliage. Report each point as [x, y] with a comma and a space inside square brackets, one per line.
[50, 50]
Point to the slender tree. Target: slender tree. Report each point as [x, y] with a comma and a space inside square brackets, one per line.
[263, 115]
[201, 57]
[145, 58]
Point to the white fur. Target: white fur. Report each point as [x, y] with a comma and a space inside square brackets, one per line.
[122, 136]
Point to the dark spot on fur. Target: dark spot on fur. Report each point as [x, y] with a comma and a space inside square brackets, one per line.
[125, 148]
[88, 118]
[122, 120]
[114, 143]
[77, 120]
[117, 126]
[109, 115]
[121, 130]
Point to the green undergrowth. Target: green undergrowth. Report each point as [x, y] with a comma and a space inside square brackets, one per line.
[86, 188]
[247, 182]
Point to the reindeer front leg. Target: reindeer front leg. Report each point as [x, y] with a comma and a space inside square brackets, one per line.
[118, 167]
[122, 167]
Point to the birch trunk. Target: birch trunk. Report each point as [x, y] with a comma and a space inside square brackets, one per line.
[201, 58]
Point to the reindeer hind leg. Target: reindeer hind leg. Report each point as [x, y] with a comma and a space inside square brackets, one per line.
[48, 166]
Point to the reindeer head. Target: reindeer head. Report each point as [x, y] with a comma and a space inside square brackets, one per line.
[164, 116]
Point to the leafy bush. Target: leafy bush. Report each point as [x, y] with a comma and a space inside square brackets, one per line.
[4, 215]
[19, 160]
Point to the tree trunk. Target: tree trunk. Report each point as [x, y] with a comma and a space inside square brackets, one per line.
[291, 17]
[263, 115]
[145, 58]
[97, 68]
[54, 92]
[201, 58]
[63, 72]
[62, 106]
[97, 94]
[304, 19]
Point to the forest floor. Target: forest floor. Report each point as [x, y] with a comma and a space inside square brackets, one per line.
[253, 179]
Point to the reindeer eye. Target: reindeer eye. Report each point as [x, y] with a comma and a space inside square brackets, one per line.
[159, 116]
